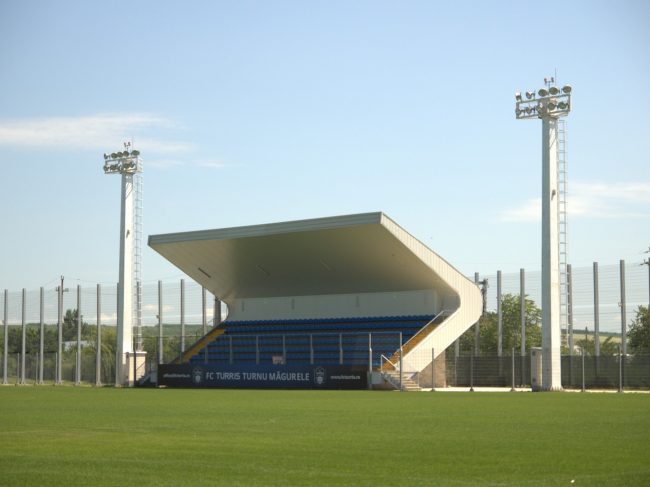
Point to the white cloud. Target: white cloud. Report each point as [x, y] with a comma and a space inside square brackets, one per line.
[597, 194]
[592, 200]
[531, 210]
[170, 163]
[108, 317]
[106, 132]
[101, 132]
[214, 164]
[163, 163]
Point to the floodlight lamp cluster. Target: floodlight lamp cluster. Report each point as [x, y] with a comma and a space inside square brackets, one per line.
[549, 102]
[125, 162]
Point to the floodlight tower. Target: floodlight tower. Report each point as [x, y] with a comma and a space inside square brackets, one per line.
[130, 356]
[549, 104]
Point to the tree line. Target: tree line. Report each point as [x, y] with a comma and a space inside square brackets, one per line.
[638, 335]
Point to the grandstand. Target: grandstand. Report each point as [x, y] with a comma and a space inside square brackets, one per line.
[349, 296]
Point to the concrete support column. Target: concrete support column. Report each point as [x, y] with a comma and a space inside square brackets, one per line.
[551, 333]
[125, 286]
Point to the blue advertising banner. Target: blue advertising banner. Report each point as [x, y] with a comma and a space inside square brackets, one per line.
[263, 377]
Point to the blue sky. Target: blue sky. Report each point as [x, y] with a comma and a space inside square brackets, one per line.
[255, 112]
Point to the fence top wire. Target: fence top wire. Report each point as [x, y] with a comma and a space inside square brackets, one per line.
[609, 287]
[636, 280]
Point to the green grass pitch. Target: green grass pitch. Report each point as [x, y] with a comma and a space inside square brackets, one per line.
[85, 436]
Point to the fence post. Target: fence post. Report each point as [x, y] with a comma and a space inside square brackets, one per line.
[161, 356]
[59, 354]
[5, 350]
[182, 317]
[433, 369]
[569, 276]
[569, 330]
[620, 369]
[583, 369]
[477, 331]
[98, 351]
[284, 349]
[118, 358]
[471, 371]
[216, 318]
[596, 319]
[522, 310]
[499, 320]
[204, 320]
[311, 349]
[456, 354]
[23, 346]
[41, 344]
[401, 370]
[204, 313]
[623, 312]
[78, 361]
[369, 361]
[512, 389]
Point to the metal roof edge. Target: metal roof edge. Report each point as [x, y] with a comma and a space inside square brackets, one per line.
[424, 246]
[267, 229]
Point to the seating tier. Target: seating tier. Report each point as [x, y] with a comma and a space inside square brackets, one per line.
[343, 341]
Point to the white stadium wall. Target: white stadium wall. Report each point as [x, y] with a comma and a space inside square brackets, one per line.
[465, 302]
[362, 305]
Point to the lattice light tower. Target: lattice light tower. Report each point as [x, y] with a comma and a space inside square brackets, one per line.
[129, 303]
[549, 104]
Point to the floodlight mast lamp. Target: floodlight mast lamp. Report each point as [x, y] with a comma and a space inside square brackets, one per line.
[549, 104]
[126, 163]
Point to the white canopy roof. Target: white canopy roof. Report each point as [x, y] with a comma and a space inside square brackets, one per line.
[338, 255]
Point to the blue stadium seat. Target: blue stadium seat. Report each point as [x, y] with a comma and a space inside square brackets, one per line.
[328, 340]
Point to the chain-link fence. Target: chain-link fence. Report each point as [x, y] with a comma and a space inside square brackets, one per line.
[578, 371]
[59, 341]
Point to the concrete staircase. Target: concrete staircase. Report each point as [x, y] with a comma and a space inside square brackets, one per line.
[392, 376]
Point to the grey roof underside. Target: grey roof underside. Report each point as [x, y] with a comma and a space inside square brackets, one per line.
[336, 255]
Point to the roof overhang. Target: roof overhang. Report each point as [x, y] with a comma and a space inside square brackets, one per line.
[337, 255]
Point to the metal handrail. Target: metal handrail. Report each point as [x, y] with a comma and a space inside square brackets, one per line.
[320, 333]
[384, 358]
[444, 312]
